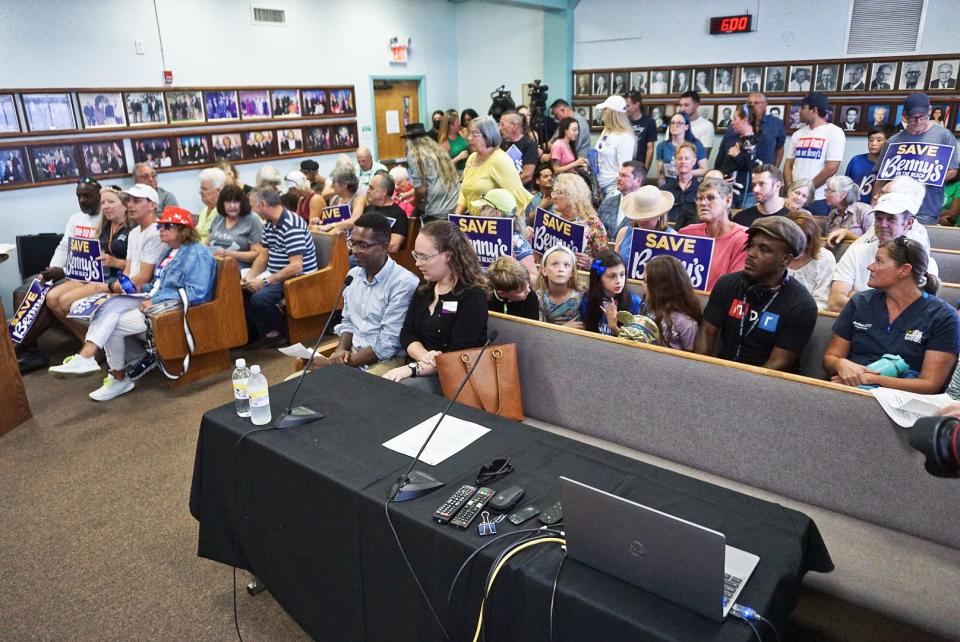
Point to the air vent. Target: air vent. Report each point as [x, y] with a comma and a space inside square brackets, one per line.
[271, 17]
[881, 26]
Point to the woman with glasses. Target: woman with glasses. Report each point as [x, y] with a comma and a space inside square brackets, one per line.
[849, 218]
[449, 311]
[678, 133]
[897, 334]
[571, 201]
[346, 191]
[234, 232]
[714, 198]
[188, 266]
[488, 167]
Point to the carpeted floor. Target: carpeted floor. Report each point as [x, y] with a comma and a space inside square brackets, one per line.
[98, 543]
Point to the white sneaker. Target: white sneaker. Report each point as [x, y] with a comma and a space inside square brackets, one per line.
[75, 366]
[112, 388]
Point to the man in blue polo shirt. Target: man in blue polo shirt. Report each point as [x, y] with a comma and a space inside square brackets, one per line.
[288, 251]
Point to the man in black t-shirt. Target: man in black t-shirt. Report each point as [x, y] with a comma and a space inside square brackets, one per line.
[380, 201]
[511, 133]
[766, 181]
[644, 128]
[764, 316]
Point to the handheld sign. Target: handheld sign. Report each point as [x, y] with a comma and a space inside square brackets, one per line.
[83, 260]
[334, 214]
[88, 306]
[694, 252]
[517, 157]
[550, 229]
[492, 237]
[926, 162]
[594, 160]
[29, 308]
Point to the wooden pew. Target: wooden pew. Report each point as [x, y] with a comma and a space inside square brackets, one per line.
[403, 256]
[943, 237]
[217, 326]
[13, 396]
[310, 297]
[948, 262]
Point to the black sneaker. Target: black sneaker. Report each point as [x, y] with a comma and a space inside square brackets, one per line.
[31, 360]
[136, 371]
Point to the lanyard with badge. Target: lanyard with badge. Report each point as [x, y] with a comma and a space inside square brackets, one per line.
[743, 316]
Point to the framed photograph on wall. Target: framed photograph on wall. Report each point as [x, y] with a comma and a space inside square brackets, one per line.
[261, 143]
[345, 136]
[723, 80]
[775, 79]
[145, 108]
[48, 112]
[155, 151]
[255, 103]
[660, 117]
[706, 111]
[776, 111]
[898, 119]
[221, 105]
[940, 113]
[13, 166]
[827, 77]
[102, 109]
[53, 162]
[794, 120]
[319, 139]
[725, 115]
[854, 77]
[750, 79]
[285, 103]
[878, 114]
[581, 85]
[291, 140]
[679, 81]
[103, 158]
[801, 78]
[9, 121]
[583, 110]
[883, 76]
[341, 102]
[944, 75]
[703, 81]
[850, 117]
[227, 146]
[618, 83]
[193, 149]
[638, 81]
[659, 82]
[913, 75]
[601, 84]
[596, 118]
[315, 102]
[185, 106]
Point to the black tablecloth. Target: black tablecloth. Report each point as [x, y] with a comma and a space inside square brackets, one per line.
[313, 525]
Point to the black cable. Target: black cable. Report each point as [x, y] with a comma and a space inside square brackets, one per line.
[553, 591]
[755, 631]
[403, 554]
[776, 633]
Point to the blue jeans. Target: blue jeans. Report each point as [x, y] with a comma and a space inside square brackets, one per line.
[263, 311]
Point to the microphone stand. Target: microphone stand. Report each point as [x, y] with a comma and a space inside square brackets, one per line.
[301, 414]
[414, 483]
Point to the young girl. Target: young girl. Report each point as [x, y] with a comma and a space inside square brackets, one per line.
[557, 287]
[670, 301]
[607, 295]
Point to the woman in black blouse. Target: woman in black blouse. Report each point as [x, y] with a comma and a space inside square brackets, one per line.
[449, 311]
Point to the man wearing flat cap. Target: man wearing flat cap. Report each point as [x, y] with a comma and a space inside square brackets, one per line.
[764, 316]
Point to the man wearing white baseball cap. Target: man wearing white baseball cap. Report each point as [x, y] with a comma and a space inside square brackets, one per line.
[144, 247]
[617, 142]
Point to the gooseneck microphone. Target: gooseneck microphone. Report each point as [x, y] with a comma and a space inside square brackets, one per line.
[415, 483]
[301, 414]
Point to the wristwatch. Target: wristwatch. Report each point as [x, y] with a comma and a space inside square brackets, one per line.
[413, 369]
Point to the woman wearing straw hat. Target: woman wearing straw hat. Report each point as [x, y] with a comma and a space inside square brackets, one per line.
[647, 209]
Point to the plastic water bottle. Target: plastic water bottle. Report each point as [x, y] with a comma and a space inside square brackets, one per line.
[240, 396]
[259, 397]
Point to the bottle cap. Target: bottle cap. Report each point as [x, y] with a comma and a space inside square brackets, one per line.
[241, 363]
[254, 369]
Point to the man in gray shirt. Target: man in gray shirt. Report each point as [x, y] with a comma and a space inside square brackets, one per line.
[146, 175]
[561, 109]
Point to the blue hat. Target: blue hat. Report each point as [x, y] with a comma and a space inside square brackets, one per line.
[918, 103]
[818, 100]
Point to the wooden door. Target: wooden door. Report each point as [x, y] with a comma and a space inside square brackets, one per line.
[396, 103]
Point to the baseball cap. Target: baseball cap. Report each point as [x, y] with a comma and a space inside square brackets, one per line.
[615, 103]
[142, 191]
[296, 178]
[916, 103]
[177, 216]
[895, 203]
[309, 166]
[818, 100]
[782, 228]
[498, 198]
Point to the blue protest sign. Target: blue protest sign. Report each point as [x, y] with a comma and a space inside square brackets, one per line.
[83, 260]
[86, 307]
[594, 161]
[694, 252]
[550, 229]
[334, 214]
[926, 162]
[491, 237]
[517, 157]
[29, 308]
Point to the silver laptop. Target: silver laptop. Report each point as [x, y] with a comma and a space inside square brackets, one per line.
[680, 561]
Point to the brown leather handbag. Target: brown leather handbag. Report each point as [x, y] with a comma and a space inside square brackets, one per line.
[494, 386]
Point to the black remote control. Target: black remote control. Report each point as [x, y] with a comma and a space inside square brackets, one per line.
[552, 515]
[456, 501]
[472, 507]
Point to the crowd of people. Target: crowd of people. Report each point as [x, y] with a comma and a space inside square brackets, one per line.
[771, 227]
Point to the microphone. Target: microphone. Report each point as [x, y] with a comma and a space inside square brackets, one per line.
[301, 414]
[414, 483]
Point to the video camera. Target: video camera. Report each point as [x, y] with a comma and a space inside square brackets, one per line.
[938, 438]
[500, 101]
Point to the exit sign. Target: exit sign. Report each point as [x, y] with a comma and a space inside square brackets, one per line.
[731, 24]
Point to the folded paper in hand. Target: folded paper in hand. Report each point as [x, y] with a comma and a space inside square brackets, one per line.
[906, 407]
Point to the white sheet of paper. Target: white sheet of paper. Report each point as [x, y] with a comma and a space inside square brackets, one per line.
[906, 407]
[393, 121]
[297, 350]
[451, 437]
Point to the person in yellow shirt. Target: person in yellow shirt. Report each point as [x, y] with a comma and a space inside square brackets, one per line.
[488, 167]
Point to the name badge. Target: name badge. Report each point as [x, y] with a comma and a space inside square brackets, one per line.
[449, 307]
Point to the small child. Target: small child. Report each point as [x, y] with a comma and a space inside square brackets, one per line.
[557, 287]
[512, 294]
[669, 300]
[607, 295]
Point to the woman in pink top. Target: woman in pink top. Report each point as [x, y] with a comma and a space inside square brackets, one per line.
[714, 198]
[563, 155]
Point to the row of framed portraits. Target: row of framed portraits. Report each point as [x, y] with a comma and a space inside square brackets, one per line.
[43, 112]
[62, 161]
[843, 76]
[852, 117]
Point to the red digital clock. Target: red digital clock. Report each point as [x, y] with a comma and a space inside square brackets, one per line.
[731, 24]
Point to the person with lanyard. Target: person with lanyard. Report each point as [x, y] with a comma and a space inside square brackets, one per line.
[897, 334]
[763, 316]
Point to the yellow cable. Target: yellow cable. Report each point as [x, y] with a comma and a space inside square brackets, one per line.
[496, 570]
